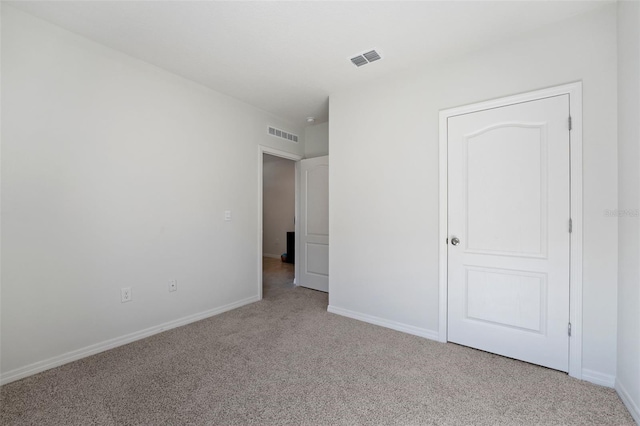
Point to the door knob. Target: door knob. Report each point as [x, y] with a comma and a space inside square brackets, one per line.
[455, 241]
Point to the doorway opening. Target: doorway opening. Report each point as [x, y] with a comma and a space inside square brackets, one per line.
[276, 207]
[278, 223]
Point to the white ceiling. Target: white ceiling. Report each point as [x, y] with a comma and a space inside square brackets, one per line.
[288, 57]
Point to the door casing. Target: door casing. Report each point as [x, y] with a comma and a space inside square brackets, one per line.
[574, 90]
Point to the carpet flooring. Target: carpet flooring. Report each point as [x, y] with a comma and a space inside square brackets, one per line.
[286, 361]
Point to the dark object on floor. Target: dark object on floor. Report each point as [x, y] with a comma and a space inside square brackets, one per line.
[291, 247]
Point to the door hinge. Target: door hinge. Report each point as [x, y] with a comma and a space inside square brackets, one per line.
[447, 241]
[569, 330]
[570, 123]
[570, 225]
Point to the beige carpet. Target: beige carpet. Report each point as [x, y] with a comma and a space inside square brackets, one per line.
[285, 360]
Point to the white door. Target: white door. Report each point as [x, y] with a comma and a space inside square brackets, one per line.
[509, 209]
[314, 223]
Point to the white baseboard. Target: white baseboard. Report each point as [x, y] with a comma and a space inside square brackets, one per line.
[394, 325]
[631, 405]
[40, 366]
[272, 256]
[598, 378]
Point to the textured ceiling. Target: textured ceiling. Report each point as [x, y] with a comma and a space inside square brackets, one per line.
[288, 57]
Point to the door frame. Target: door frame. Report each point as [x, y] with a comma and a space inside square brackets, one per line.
[262, 149]
[574, 90]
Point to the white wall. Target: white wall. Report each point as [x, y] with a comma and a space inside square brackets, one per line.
[316, 139]
[384, 175]
[628, 375]
[278, 203]
[116, 173]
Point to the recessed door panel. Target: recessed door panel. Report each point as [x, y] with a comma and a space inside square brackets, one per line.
[317, 259]
[317, 190]
[506, 298]
[499, 190]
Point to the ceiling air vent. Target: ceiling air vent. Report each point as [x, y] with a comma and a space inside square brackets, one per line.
[282, 134]
[371, 56]
[365, 58]
[359, 61]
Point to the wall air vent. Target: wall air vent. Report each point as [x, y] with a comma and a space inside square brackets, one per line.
[282, 134]
[365, 58]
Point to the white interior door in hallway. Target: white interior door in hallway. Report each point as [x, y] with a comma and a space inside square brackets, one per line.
[314, 223]
[508, 226]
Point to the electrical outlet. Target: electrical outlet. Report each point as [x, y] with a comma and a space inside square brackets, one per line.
[227, 215]
[173, 285]
[125, 294]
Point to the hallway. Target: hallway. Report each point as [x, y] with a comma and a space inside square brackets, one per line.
[277, 276]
